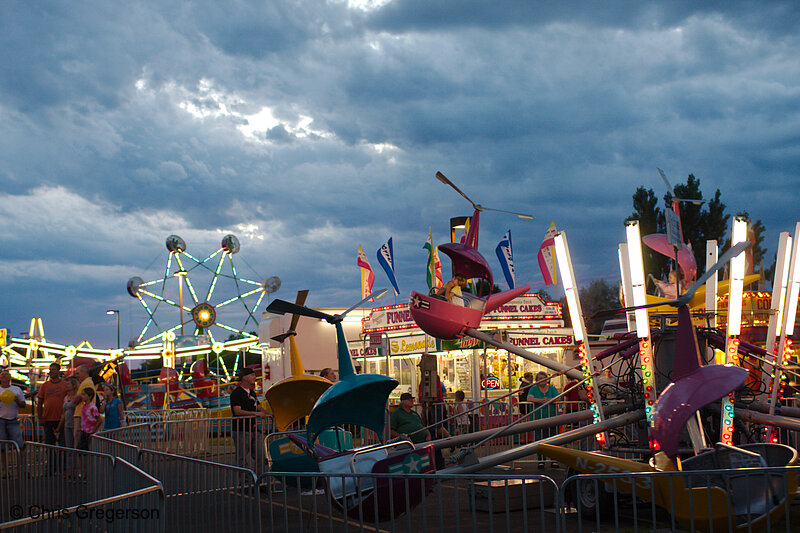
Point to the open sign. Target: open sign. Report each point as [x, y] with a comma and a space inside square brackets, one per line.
[490, 383]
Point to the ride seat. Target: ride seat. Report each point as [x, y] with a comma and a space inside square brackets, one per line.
[358, 462]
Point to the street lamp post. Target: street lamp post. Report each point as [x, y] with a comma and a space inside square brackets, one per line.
[115, 312]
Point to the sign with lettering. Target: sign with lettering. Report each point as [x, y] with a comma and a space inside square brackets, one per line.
[464, 343]
[527, 306]
[543, 338]
[360, 349]
[490, 383]
[375, 340]
[411, 344]
[403, 345]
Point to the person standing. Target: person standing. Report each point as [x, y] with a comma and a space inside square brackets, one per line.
[50, 405]
[90, 418]
[11, 399]
[245, 407]
[68, 418]
[114, 415]
[85, 381]
[539, 394]
[460, 414]
[524, 388]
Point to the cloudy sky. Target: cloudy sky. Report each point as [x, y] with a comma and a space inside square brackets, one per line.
[308, 128]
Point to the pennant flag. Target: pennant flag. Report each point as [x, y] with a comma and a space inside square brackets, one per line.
[434, 271]
[547, 256]
[386, 260]
[506, 257]
[367, 276]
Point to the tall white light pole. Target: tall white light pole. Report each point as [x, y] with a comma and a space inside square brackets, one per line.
[564, 262]
[736, 288]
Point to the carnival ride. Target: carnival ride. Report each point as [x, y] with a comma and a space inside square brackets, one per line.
[450, 320]
[162, 338]
[359, 400]
[703, 505]
[293, 398]
[203, 314]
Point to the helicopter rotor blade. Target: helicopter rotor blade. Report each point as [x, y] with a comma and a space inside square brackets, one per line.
[520, 215]
[664, 177]
[732, 252]
[695, 201]
[375, 295]
[281, 307]
[441, 177]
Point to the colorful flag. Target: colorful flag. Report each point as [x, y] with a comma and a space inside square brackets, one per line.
[547, 256]
[386, 260]
[506, 257]
[367, 276]
[434, 270]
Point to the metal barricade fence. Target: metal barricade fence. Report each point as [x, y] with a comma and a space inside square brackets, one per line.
[61, 489]
[139, 435]
[744, 499]
[10, 474]
[209, 438]
[56, 477]
[202, 495]
[115, 448]
[409, 503]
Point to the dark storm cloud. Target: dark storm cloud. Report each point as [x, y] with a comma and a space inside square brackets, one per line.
[413, 15]
[308, 128]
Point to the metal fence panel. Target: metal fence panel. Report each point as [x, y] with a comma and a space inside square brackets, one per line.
[60, 489]
[414, 503]
[745, 499]
[202, 495]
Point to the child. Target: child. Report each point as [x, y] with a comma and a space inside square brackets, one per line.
[114, 414]
[90, 418]
[460, 412]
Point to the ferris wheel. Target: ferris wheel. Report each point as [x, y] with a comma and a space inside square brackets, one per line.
[199, 313]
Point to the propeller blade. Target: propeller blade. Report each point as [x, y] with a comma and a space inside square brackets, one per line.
[441, 177]
[281, 307]
[520, 215]
[686, 297]
[664, 177]
[282, 337]
[300, 300]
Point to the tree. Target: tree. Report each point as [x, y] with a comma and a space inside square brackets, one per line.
[714, 224]
[691, 214]
[598, 295]
[699, 223]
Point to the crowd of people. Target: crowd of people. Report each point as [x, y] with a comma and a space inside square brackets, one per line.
[69, 409]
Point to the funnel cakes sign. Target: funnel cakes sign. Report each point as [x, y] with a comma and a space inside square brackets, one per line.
[525, 307]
